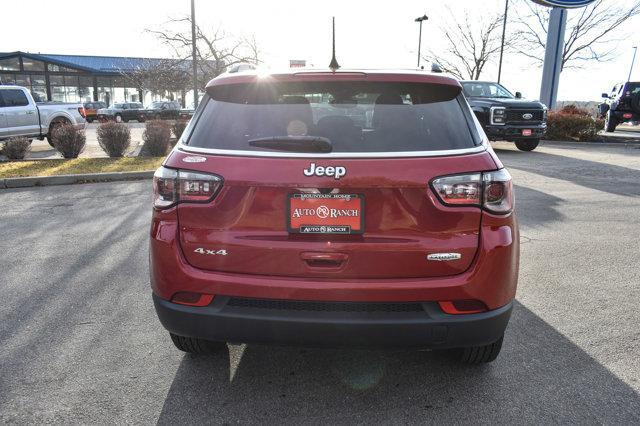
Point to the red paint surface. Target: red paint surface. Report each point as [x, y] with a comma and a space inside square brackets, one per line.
[404, 222]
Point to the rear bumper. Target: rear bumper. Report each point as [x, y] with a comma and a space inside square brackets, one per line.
[625, 116]
[427, 327]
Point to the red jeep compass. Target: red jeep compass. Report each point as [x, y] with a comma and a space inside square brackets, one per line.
[326, 208]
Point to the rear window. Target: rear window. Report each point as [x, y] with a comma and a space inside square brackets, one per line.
[354, 116]
[633, 87]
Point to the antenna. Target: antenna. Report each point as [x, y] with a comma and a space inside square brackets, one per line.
[334, 62]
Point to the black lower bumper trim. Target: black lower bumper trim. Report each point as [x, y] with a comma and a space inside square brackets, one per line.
[430, 328]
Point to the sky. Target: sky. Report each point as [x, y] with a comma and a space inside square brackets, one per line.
[369, 34]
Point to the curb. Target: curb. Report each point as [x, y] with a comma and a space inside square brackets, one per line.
[24, 182]
[614, 140]
[626, 143]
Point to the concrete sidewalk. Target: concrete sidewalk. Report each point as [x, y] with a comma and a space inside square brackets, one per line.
[624, 133]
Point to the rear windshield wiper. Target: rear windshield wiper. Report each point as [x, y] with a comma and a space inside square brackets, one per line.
[294, 143]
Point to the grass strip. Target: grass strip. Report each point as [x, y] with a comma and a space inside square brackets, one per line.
[12, 169]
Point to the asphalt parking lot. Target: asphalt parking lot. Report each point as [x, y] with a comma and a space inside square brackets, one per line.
[80, 342]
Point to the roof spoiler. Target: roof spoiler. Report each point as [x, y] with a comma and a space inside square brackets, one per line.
[243, 66]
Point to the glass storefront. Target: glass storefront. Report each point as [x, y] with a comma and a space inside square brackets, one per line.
[34, 82]
[58, 68]
[114, 89]
[74, 85]
[32, 65]
[10, 64]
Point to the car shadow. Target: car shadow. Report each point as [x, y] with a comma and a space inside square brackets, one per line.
[603, 177]
[535, 208]
[540, 377]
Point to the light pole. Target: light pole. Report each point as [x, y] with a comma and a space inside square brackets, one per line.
[420, 19]
[504, 29]
[194, 59]
[635, 50]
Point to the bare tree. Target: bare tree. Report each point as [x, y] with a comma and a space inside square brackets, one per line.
[470, 45]
[159, 76]
[592, 32]
[215, 50]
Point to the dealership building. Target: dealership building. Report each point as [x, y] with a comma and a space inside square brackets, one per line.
[77, 78]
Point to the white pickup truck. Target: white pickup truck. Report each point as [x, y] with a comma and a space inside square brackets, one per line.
[20, 115]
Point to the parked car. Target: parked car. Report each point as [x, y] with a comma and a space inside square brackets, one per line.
[163, 110]
[505, 116]
[91, 110]
[186, 113]
[271, 226]
[20, 115]
[621, 105]
[123, 112]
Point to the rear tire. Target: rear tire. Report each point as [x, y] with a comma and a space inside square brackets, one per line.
[635, 103]
[527, 144]
[193, 345]
[609, 122]
[481, 354]
[118, 118]
[52, 127]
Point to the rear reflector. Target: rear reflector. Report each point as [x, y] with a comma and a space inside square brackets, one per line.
[459, 307]
[190, 298]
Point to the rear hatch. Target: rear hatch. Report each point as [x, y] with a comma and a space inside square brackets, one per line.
[330, 179]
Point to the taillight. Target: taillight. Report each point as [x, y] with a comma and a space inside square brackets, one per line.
[171, 187]
[459, 189]
[197, 187]
[82, 112]
[165, 192]
[497, 192]
[493, 191]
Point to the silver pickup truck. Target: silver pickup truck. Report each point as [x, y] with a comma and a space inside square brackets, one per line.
[20, 115]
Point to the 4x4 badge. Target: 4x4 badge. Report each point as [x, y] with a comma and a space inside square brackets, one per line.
[213, 252]
[335, 171]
